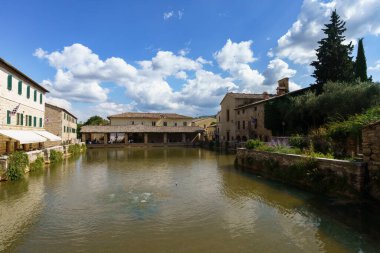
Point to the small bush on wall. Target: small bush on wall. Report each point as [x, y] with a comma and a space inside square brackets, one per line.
[38, 164]
[56, 156]
[18, 161]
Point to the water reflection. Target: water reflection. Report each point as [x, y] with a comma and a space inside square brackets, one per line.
[172, 200]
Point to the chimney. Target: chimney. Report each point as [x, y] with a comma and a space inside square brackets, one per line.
[283, 86]
[265, 95]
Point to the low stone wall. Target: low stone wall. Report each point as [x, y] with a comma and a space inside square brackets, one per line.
[33, 155]
[371, 155]
[328, 176]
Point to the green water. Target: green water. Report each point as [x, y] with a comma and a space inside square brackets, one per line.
[172, 200]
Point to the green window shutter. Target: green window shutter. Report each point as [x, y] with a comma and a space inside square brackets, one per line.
[22, 119]
[34, 121]
[28, 92]
[30, 120]
[18, 119]
[64, 129]
[9, 82]
[20, 87]
[40, 98]
[35, 95]
[40, 122]
[8, 117]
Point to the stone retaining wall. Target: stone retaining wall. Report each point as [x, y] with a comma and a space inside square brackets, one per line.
[328, 176]
[371, 155]
[33, 155]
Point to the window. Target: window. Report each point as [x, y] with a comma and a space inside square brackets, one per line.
[41, 98]
[22, 119]
[238, 124]
[184, 123]
[30, 120]
[243, 124]
[35, 95]
[40, 122]
[20, 87]
[34, 121]
[165, 123]
[64, 129]
[18, 119]
[28, 92]
[228, 115]
[8, 117]
[9, 82]
[153, 123]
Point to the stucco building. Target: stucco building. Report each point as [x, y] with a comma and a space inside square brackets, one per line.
[61, 122]
[143, 128]
[208, 124]
[22, 111]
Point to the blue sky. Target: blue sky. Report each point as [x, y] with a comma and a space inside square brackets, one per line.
[105, 57]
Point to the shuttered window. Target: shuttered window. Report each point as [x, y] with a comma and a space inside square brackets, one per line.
[30, 120]
[40, 122]
[35, 95]
[9, 82]
[18, 119]
[20, 87]
[22, 119]
[34, 121]
[28, 92]
[8, 117]
[41, 98]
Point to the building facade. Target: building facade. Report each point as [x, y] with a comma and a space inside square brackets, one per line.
[242, 116]
[143, 128]
[61, 122]
[22, 111]
[208, 124]
[227, 117]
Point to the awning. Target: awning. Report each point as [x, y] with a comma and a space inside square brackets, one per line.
[48, 135]
[23, 136]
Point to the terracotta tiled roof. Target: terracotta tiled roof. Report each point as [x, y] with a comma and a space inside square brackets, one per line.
[140, 129]
[150, 115]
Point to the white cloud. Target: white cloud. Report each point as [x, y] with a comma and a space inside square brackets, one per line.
[298, 44]
[376, 67]
[173, 14]
[81, 77]
[60, 102]
[168, 15]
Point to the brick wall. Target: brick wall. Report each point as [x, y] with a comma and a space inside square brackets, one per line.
[371, 152]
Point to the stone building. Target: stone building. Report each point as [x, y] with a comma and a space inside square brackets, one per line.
[62, 123]
[227, 117]
[133, 128]
[22, 111]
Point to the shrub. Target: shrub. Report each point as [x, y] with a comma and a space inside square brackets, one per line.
[75, 149]
[55, 156]
[17, 164]
[298, 141]
[253, 144]
[38, 164]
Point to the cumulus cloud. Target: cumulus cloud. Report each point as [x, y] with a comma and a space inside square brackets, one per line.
[376, 67]
[168, 15]
[235, 58]
[298, 44]
[60, 102]
[81, 76]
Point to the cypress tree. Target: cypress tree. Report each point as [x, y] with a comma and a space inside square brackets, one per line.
[361, 64]
[334, 61]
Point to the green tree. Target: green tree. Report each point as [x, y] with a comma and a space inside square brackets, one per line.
[334, 62]
[361, 64]
[96, 121]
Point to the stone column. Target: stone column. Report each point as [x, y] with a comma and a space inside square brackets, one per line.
[184, 138]
[126, 138]
[8, 147]
[165, 138]
[105, 138]
[145, 138]
[84, 137]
